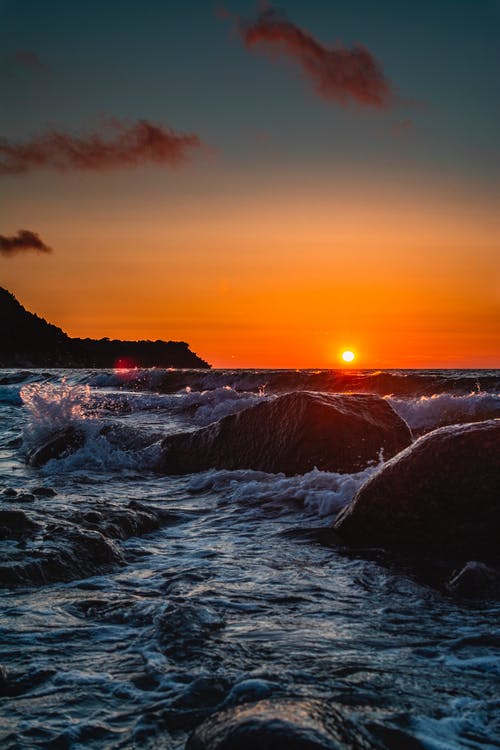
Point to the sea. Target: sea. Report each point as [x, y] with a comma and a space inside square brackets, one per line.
[135, 604]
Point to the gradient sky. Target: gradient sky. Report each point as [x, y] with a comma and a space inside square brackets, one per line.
[302, 226]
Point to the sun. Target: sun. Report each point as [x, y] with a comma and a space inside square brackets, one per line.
[348, 356]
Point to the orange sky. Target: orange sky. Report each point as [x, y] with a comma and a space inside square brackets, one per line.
[279, 276]
[201, 177]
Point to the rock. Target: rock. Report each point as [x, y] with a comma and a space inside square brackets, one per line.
[281, 725]
[119, 523]
[44, 491]
[183, 628]
[9, 492]
[293, 434]
[24, 497]
[58, 445]
[64, 556]
[439, 497]
[66, 545]
[476, 581]
[15, 524]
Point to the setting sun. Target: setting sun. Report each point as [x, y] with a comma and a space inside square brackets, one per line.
[348, 356]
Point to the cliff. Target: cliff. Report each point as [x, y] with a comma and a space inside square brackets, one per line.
[26, 340]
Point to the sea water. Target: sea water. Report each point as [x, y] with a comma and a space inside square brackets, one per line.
[233, 597]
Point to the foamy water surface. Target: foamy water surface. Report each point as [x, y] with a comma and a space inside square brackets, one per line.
[238, 593]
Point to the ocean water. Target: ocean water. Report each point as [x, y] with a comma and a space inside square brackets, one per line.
[215, 589]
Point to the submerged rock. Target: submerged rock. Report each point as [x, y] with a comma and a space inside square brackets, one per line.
[281, 725]
[293, 434]
[16, 524]
[58, 545]
[476, 581]
[65, 556]
[58, 445]
[43, 491]
[439, 497]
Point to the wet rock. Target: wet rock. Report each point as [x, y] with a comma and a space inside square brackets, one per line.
[66, 545]
[76, 554]
[476, 581]
[250, 690]
[183, 627]
[15, 524]
[293, 434]
[9, 492]
[119, 523]
[24, 497]
[281, 725]
[44, 491]
[59, 445]
[439, 497]
[205, 691]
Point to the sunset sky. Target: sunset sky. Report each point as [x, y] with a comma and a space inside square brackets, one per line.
[272, 186]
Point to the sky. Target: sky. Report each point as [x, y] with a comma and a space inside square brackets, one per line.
[272, 184]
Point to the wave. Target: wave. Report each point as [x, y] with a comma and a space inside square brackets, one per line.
[64, 410]
[319, 493]
[429, 412]
[382, 382]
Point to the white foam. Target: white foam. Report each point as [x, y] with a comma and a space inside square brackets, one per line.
[54, 407]
[218, 403]
[467, 724]
[428, 412]
[321, 493]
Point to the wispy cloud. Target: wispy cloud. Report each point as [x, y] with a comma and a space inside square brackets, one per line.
[28, 58]
[116, 146]
[22, 242]
[15, 59]
[338, 74]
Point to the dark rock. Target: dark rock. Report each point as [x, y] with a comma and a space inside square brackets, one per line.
[15, 524]
[59, 445]
[281, 725]
[44, 491]
[119, 523]
[24, 497]
[9, 492]
[66, 545]
[476, 581]
[72, 555]
[439, 497]
[293, 434]
[203, 691]
[183, 627]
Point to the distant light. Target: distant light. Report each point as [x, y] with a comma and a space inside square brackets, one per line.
[348, 356]
[125, 363]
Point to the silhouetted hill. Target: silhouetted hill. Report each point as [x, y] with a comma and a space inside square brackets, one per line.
[26, 340]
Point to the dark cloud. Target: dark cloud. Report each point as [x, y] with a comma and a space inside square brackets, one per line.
[23, 241]
[115, 147]
[337, 74]
[28, 59]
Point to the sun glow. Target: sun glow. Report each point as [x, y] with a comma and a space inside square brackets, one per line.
[348, 356]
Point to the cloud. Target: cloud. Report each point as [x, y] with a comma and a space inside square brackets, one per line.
[23, 241]
[28, 59]
[117, 146]
[337, 74]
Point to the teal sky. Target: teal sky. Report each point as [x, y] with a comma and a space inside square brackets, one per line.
[70, 65]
